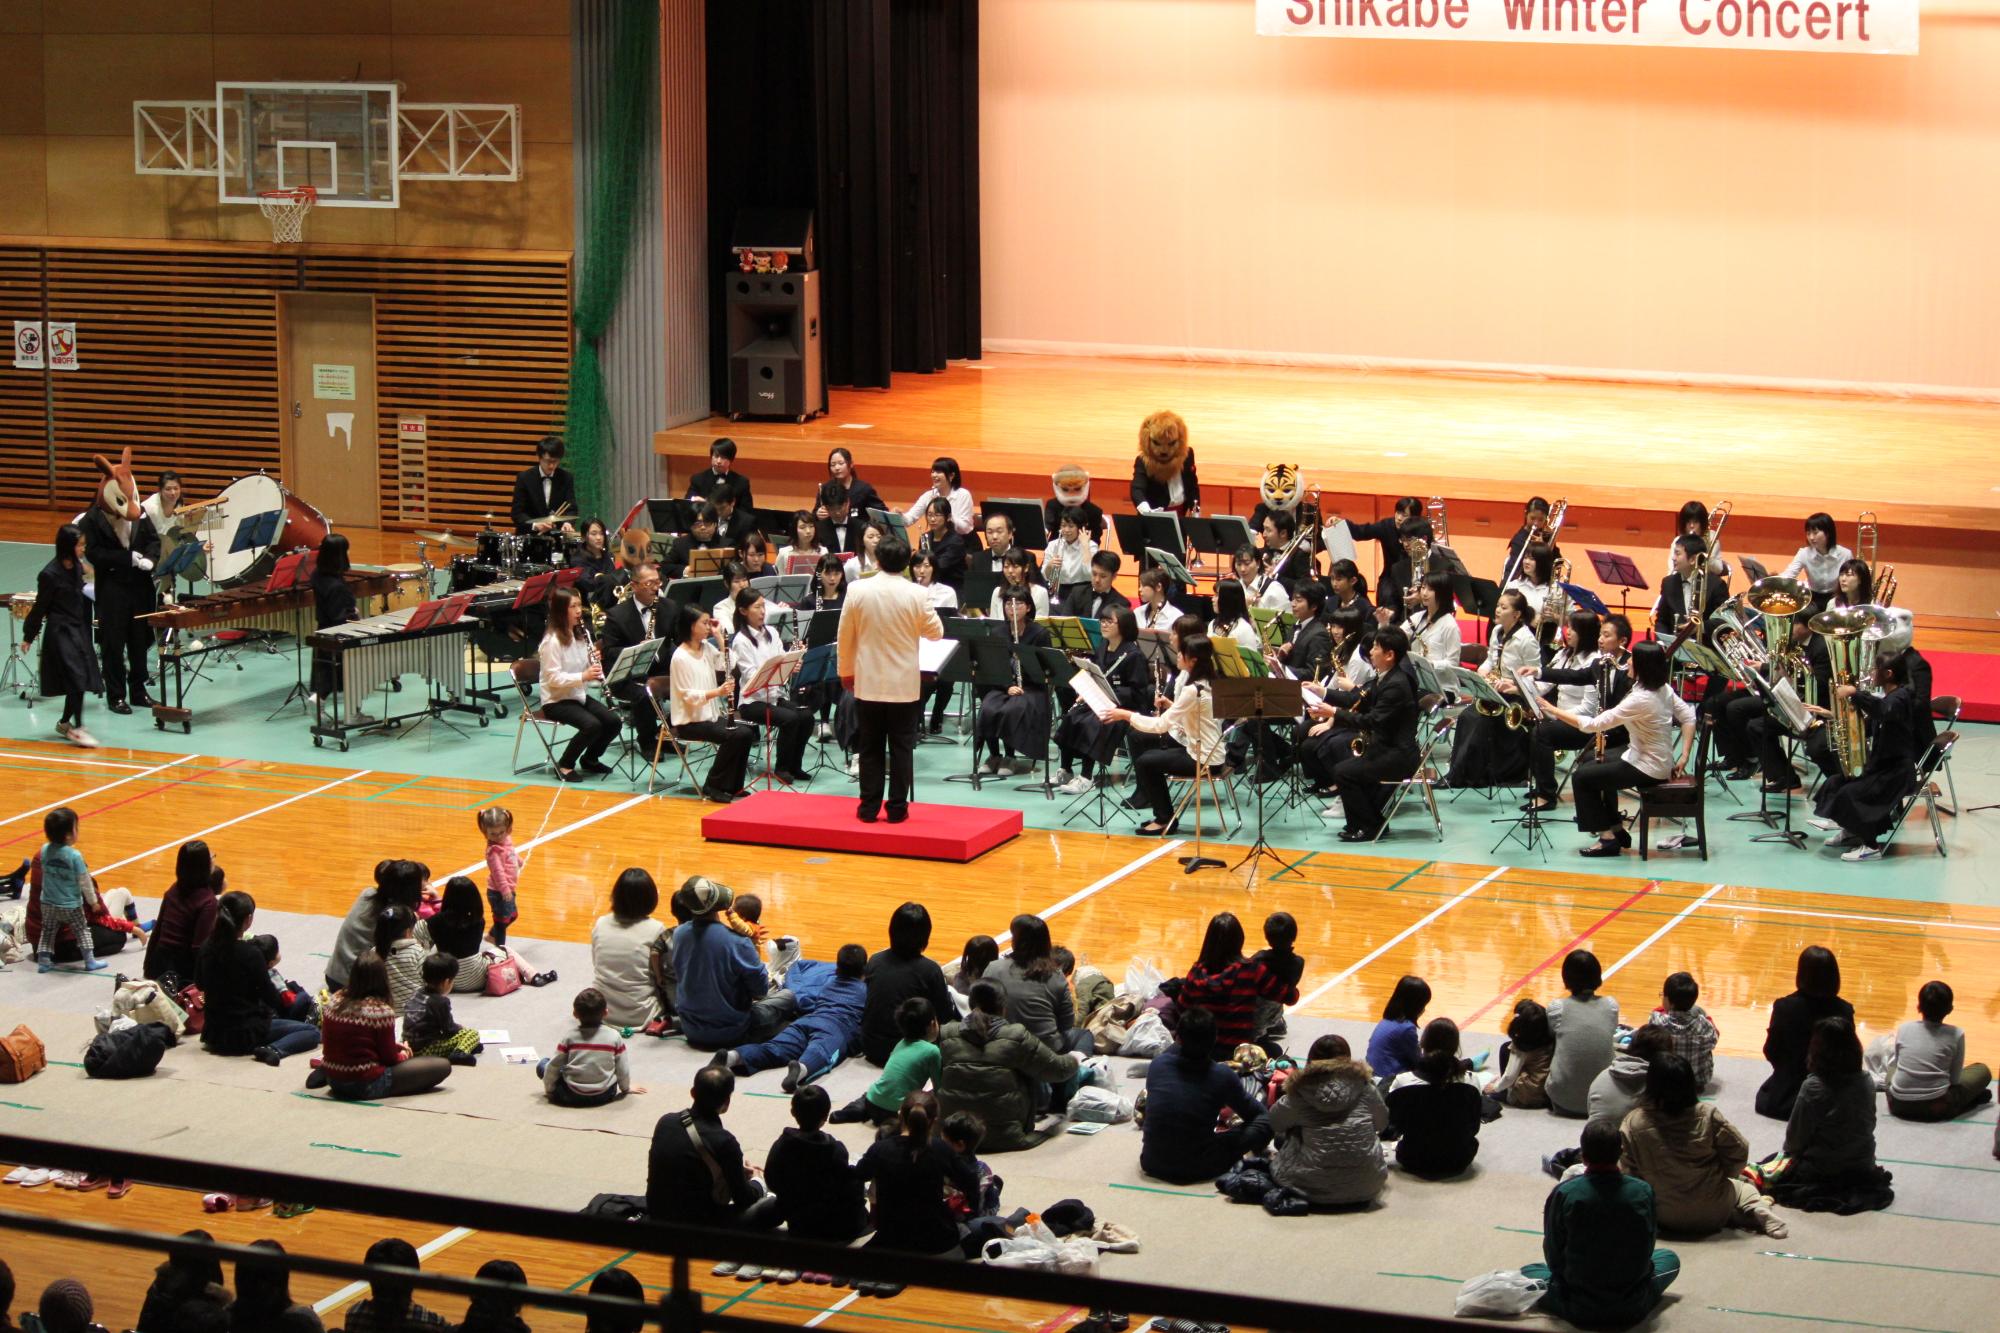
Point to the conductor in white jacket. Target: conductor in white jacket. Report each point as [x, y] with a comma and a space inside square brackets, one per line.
[880, 623]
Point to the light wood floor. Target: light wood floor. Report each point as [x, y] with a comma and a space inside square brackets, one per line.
[303, 839]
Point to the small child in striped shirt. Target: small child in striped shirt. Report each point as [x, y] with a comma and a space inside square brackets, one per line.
[1688, 1025]
[589, 1067]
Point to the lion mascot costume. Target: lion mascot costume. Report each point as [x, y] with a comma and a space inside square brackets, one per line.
[122, 547]
[1163, 476]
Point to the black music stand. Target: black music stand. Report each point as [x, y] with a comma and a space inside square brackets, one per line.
[1051, 669]
[986, 663]
[976, 597]
[255, 531]
[820, 666]
[668, 515]
[1258, 700]
[1025, 515]
[1618, 571]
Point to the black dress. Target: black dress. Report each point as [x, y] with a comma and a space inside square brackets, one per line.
[598, 578]
[1785, 1045]
[333, 604]
[61, 619]
[1020, 722]
[1866, 806]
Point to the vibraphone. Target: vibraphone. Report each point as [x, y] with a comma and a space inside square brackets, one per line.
[287, 614]
[374, 655]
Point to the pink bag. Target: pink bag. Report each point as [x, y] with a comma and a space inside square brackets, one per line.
[503, 977]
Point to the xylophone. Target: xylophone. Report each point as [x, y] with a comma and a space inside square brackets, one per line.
[375, 654]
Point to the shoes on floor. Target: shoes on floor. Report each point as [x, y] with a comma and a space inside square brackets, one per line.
[596, 768]
[1074, 786]
[1842, 838]
[991, 768]
[795, 1074]
[264, 1055]
[724, 1269]
[1600, 848]
[120, 707]
[1863, 853]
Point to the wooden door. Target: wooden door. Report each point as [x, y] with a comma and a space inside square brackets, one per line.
[331, 446]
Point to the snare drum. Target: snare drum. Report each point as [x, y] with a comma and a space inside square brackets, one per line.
[21, 603]
[410, 588]
[301, 526]
[539, 549]
[468, 573]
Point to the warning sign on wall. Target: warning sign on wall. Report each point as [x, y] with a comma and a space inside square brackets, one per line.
[62, 345]
[27, 344]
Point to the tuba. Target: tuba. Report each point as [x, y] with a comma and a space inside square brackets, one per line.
[1850, 648]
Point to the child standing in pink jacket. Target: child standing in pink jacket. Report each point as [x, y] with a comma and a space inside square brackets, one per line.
[503, 869]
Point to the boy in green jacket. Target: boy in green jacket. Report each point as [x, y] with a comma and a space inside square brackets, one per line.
[1597, 1235]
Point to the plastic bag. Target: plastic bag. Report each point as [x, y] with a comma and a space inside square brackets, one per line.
[1146, 1038]
[1142, 979]
[1099, 1105]
[1035, 1246]
[1505, 1292]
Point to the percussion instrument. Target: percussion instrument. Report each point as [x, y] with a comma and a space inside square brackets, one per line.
[20, 603]
[536, 548]
[447, 540]
[494, 548]
[371, 654]
[301, 526]
[410, 589]
[467, 572]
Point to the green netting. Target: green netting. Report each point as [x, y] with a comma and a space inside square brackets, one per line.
[617, 168]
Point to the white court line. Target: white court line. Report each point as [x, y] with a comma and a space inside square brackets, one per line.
[477, 866]
[95, 790]
[1654, 938]
[1105, 883]
[1398, 938]
[430, 1247]
[832, 1310]
[1857, 916]
[217, 828]
[54, 759]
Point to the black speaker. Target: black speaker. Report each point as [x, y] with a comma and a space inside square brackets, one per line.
[776, 368]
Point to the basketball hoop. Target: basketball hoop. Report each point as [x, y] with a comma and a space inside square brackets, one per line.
[286, 210]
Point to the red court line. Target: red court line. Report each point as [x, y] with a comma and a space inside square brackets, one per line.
[1557, 956]
[1057, 1322]
[127, 800]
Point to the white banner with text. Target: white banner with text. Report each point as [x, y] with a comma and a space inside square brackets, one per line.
[1846, 27]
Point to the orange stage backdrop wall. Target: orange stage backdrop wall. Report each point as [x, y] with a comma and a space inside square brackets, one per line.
[1158, 179]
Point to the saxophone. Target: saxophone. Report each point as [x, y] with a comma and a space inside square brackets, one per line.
[1514, 715]
[1362, 736]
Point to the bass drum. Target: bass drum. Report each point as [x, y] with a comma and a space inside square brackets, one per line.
[301, 526]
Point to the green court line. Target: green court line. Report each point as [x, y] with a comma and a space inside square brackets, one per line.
[66, 1064]
[1426, 1277]
[396, 786]
[1407, 878]
[362, 1152]
[592, 1275]
[1521, 1231]
[1875, 1263]
[1942, 1166]
[742, 1295]
[1155, 1189]
[1926, 1217]
[1823, 1319]
[776, 1096]
[22, 1106]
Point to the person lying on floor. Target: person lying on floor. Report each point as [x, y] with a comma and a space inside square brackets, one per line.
[830, 999]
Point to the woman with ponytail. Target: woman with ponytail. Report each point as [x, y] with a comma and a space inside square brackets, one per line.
[907, 1174]
[242, 1004]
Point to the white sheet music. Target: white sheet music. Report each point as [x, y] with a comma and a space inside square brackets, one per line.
[932, 654]
[1092, 693]
[1339, 542]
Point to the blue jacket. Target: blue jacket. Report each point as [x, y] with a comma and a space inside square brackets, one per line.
[718, 976]
[828, 1002]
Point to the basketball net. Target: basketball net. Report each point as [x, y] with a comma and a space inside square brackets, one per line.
[286, 211]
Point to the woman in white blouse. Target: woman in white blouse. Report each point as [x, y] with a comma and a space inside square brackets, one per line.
[1014, 567]
[697, 707]
[1232, 617]
[1487, 752]
[805, 541]
[1536, 580]
[1819, 560]
[1189, 725]
[1432, 627]
[923, 568]
[863, 561]
[753, 644]
[1573, 673]
[945, 485]
[569, 668]
[1649, 713]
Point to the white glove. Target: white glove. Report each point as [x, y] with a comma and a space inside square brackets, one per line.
[1145, 508]
[141, 563]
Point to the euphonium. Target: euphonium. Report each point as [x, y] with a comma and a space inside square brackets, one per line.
[1851, 652]
[1780, 601]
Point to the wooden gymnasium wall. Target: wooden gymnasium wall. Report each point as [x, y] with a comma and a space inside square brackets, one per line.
[180, 357]
[176, 295]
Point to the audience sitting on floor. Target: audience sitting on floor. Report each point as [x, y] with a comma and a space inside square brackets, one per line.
[625, 959]
[1689, 1028]
[722, 989]
[391, 1306]
[1584, 1024]
[1930, 1079]
[1328, 1125]
[496, 1312]
[695, 1172]
[1186, 1092]
[819, 1194]
[241, 1005]
[1230, 986]
[1817, 996]
[264, 1296]
[1392, 1047]
[998, 1071]
[1691, 1155]
[178, 1283]
[1598, 1230]
[898, 973]
[1618, 1089]
[1435, 1109]
[1830, 1137]
[1525, 1057]
[914, 1063]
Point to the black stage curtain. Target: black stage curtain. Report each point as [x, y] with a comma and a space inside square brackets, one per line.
[867, 111]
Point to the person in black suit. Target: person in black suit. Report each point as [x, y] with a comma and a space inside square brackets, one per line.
[721, 474]
[704, 534]
[1386, 718]
[861, 496]
[60, 617]
[123, 553]
[1388, 533]
[733, 521]
[945, 547]
[333, 604]
[543, 489]
[839, 527]
[1677, 591]
[1099, 599]
[1310, 643]
[1414, 535]
[1163, 475]
[642, 616]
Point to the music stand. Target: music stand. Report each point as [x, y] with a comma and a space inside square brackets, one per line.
[1025, 515]
[1094, 690]
[1051, 669]
[1224, 533]
[1618, 571]
[669, 515]
[707, 560]
[1169, 562]
[892, 521]
[986, 663]
[1272, 626]
[292, 570]
[1527, 826]
[823, 628]
[178, 559]
[701, 592]
[776, 671]
[800, 563]
[977, 594]
[256, 531]
[788, 588]
[1257, 700]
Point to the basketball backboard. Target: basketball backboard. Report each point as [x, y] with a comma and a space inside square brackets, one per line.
[339, 138]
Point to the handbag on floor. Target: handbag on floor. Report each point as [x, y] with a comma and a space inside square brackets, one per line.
[503, 977]
[22, 1056]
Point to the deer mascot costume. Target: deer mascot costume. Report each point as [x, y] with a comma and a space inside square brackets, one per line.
[122, 547]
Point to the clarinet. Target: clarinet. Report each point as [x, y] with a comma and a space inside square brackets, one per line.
[729, 680]
[1014, 636]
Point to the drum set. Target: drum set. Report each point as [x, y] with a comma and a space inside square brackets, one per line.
[496, 556]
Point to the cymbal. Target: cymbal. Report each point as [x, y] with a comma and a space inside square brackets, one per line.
[446, 540]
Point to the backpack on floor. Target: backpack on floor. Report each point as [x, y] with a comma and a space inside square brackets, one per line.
[21, 1056]
[128, 1052]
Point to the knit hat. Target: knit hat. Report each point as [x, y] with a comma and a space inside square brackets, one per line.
[702, 895]
[66, 1306]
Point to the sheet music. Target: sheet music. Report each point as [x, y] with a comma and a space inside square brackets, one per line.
[1092, 693]
[1529, 694]
[767, 674]
[1337, 540]
[932, 654]
[628, 660]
